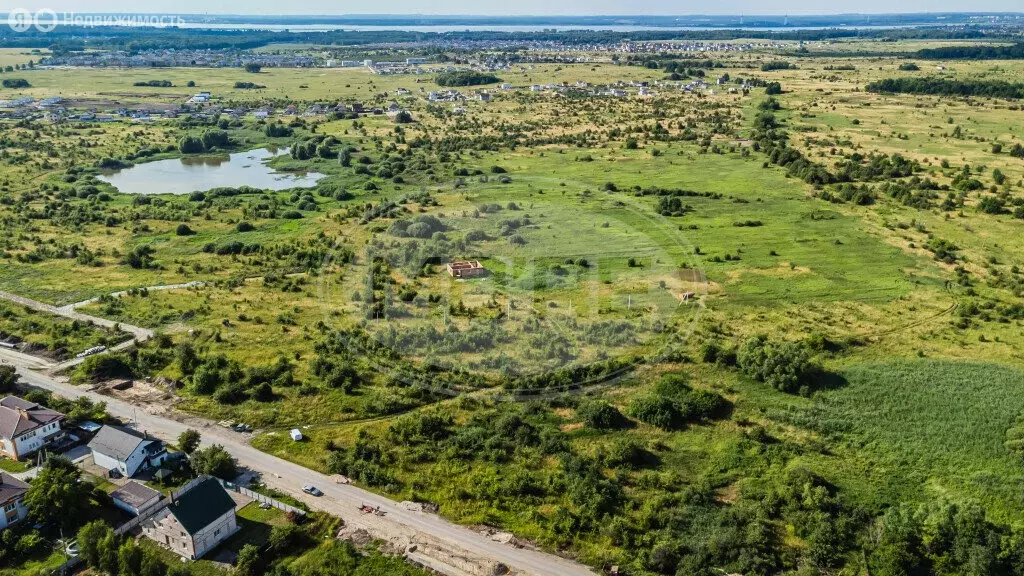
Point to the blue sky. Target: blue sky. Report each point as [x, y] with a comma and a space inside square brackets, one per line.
[519, 7]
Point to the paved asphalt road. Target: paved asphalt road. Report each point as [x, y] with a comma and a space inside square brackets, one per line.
[340, 500]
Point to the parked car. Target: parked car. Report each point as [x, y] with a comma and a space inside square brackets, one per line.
[312, 490]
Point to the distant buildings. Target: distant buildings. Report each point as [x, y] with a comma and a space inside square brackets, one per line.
[445, 96]
[17, 102]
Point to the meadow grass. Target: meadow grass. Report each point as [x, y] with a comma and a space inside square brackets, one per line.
[938, 426]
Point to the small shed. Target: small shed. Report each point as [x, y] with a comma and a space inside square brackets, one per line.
[134, 497]
[296, 434]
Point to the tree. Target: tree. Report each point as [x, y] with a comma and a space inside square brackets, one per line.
[8, 379]
[152, 565]
[178, 570]
[186, 358]
[215, 139]
[190, 145]
[253, 68]
[600, 415]
[248, 562]
[215, 461]
[89, 538]
[129, 559]
[657, 411]
[786, 366]
[188, 441]
[107, 550]
[282, 537]
[58, 495]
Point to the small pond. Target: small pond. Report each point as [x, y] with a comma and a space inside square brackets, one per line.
[199, 173]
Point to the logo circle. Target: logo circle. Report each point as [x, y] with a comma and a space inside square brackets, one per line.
[19, 19]
[46, 20]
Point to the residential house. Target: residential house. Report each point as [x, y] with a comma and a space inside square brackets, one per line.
[12, 494]
[199, 517]
[134, 497]
[26, 426]
[125, 450]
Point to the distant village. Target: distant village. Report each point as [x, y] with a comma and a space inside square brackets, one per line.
[205, 105]
[523, 50]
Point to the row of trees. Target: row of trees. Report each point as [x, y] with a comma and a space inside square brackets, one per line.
[948, 87]
[108, 553]
[465, 78]
[973, 52]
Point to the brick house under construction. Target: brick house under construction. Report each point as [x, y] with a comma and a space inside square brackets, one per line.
[471, 269]
[198, 518]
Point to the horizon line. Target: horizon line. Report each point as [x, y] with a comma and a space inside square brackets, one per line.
[587, 15]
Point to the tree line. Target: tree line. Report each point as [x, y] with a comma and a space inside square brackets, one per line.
[968, 52]
[948, 87]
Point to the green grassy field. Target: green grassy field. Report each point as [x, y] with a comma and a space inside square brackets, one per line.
[51, 334]
[940, 426]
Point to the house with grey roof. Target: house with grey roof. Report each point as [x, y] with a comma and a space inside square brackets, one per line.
[12, 494]
[198, 518]
[25, 426]
[126, 451]
[134, 497]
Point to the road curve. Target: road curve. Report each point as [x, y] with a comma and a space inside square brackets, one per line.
[398, 525]
[138, 332]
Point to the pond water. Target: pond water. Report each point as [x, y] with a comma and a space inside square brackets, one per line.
[199, 173]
